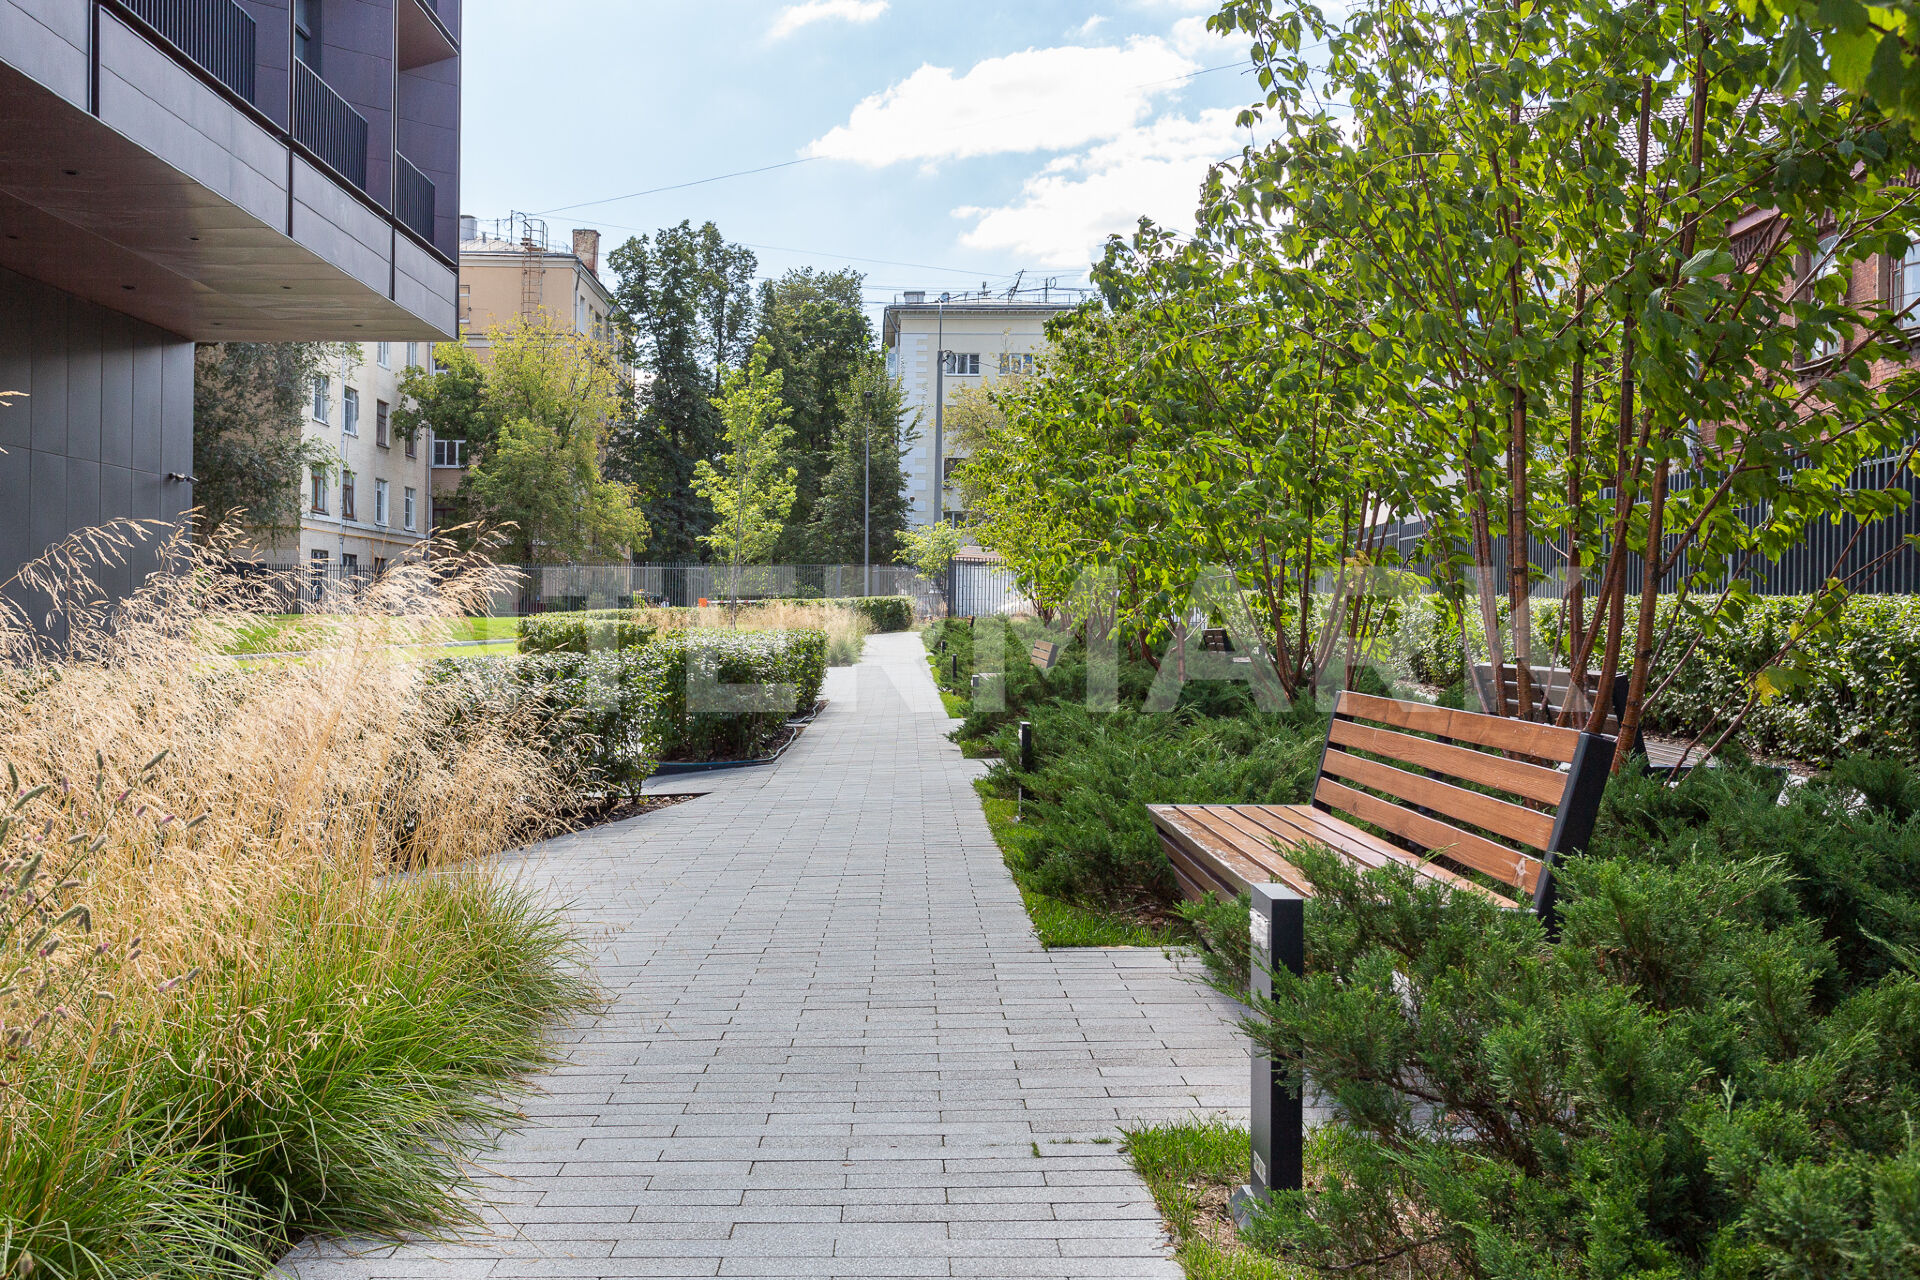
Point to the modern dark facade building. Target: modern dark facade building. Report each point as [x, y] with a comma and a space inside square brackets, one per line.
[181, 171]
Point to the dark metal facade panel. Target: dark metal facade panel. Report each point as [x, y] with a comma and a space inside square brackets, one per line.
[99, 383]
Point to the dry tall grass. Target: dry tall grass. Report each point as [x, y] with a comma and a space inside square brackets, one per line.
[847, 630]
[212, 840]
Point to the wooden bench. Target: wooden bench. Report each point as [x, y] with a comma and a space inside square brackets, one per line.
[1378, 769]
[1044, 654]
[1551, 688]
[1389, 792]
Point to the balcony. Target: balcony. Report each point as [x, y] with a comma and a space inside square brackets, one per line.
[218, 35]
[413, 196]
[326, 125]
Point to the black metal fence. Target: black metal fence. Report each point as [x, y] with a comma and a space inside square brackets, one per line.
[413, 197]
[977, 588]
[325, 124]
[1876, 559]
[218, 35]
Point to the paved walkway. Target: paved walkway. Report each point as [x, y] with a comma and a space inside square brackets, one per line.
[834, 1047]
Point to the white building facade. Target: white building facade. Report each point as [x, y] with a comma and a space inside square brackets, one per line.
[937, 344]
[372, 504]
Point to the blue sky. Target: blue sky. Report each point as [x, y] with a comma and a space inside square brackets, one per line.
[964, 142]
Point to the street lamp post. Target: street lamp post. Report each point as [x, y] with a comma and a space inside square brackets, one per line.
[866, 550]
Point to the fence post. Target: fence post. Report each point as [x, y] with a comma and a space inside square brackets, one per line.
[1278, 1116]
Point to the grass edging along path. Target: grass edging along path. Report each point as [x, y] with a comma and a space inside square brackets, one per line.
[1065, 924]
[1192, 1167]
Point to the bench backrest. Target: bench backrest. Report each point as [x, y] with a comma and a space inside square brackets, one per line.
[1552, 686]
[1045, 653]
[1535, 791]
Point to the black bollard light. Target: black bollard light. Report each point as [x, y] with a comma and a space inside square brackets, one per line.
[956, 669]
[1026, 746]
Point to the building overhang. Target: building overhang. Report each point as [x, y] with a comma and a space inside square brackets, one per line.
[156, 196]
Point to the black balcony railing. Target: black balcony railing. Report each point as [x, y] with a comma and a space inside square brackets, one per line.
[217, 34]
[326, 125]
[412, 198]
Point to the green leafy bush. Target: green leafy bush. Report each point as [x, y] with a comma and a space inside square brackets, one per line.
[595, 631]
[1713, 1072]
[774, 674]
[588, 712]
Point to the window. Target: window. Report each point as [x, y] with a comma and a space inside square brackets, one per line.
[306, 32]
[350, 412]
[413, 446]
[409, 504]
[1826, 263]
[383, 354]
[380, 503]
[320, 402]
[317, 478]
[1906, 286]
[448, 453]
[349, 564]
[379, 565]
[346, 496]
[382, 424]
[963, 363]
[413, 354]
[1016, 363]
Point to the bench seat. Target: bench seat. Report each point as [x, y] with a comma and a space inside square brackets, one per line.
[1480, 803]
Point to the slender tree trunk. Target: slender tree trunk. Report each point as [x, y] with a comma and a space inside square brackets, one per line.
[1643, 633]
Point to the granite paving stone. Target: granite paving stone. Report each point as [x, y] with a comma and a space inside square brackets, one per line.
[831, 1044]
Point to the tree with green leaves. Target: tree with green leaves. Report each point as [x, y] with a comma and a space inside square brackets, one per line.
[815, 326]
[536, 415]
[862, 502]
[752, 489]
[250, 450]
[686, 307]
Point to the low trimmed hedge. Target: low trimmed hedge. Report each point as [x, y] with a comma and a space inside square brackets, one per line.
[589, 711]
[746, 721]
[591, 631]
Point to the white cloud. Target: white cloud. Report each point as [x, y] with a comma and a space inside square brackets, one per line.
[1091, 25]
[796, 16]
[1036, 100]
[1066, 211]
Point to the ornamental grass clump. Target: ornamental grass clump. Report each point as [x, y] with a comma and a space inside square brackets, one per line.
[1713, 1071]
[259, 977]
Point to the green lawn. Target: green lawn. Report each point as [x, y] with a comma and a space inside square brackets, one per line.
[1064, 924]
[294, 632]
[1192, 1167]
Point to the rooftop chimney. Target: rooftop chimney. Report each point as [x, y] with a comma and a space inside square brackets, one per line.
[586, 247]
[469, 228]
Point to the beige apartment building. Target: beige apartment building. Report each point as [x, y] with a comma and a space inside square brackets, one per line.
[935, 345]
[372, 503]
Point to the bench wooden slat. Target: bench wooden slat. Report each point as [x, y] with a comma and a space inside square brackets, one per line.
[1516, 776]
[1231, 827]
[1478, 852]
[1487, 812]
[1545, 741]
[1044, 654]
[1216, 860]
[1295, 824]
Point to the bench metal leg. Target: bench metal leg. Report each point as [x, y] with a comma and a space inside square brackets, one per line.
[1277, 1117]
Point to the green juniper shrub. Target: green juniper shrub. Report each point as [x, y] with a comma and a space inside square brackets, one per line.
[794, 661]
[1223, 927]
[1713, 1071]
[1089, 837]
